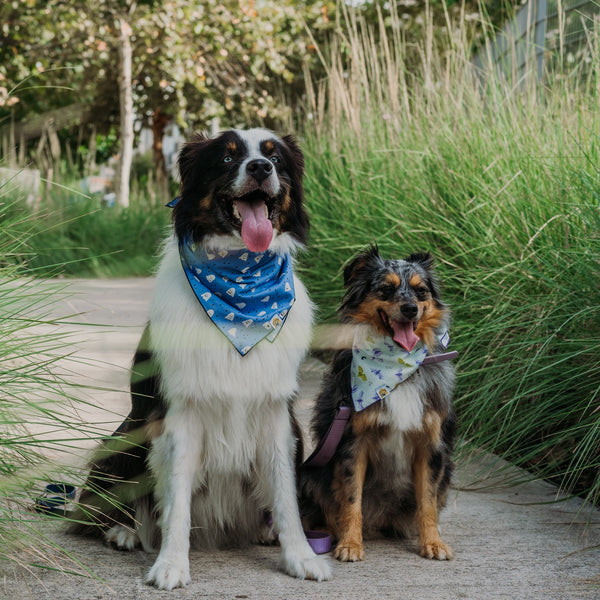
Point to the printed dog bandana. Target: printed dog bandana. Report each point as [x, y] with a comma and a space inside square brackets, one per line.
[247, 295]
[379, 365]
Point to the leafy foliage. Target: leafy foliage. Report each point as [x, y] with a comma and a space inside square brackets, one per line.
[243, 61]
[230, 59]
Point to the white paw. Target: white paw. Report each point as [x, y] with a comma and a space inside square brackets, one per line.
[305, 564]
[169, 572]
[122, 537]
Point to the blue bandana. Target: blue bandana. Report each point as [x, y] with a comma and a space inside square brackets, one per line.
[379, 365]
[247, 295]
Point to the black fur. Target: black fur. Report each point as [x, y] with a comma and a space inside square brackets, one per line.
[118, 472]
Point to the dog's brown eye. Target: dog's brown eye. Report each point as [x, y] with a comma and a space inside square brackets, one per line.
[387, 291]
[422, 293]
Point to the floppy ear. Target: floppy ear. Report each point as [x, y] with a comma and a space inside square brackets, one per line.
[189, 154]
[369, 256]
[292, 144]
[299, 220]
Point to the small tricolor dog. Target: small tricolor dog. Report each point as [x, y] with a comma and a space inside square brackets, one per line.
[209, 447]
[392, 467]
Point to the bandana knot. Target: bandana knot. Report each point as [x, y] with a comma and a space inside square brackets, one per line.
[247, 295]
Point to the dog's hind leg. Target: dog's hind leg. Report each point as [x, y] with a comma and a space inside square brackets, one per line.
[275, 465]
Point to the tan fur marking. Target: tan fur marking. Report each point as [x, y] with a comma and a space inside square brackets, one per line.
[231, 148]
[416, 281]
[368, 313]
[349, 521]
[393, 279]
[206, 202]
[364, 420]
[431, 319]
[153, 429]
[269, 146]
[427, 515]
[432, 426]
[284, 208]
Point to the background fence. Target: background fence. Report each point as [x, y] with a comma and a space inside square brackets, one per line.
[543, 36]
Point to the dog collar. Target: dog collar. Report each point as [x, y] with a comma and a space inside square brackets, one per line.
[379, 365]
[247, 295]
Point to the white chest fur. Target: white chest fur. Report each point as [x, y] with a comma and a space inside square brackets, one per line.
[199, 365]
[404, 407]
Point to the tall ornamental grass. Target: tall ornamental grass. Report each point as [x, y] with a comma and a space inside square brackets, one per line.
[498, 179]
[38, 408]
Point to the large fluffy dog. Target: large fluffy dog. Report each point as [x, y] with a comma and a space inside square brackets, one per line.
[392, 466]
[208, 447]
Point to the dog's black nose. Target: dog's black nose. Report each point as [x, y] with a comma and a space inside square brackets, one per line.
[409, 310]
[259, 169]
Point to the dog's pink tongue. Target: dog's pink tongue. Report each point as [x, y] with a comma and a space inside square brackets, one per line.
[404, 334]
[257, 230]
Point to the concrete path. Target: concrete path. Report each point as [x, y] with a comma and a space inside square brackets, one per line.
[511, 542]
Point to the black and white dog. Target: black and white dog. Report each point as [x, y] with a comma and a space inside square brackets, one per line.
[209, 446]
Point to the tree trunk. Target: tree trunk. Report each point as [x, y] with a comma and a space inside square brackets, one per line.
[159, 122]
[126, 108]
[90, 160]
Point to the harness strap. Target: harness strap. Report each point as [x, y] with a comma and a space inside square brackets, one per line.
[326, 448]
[329, 442]
[436, 358]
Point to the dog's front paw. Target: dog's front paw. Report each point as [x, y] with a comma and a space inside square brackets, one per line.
[436, 549]
[307, 565]
[349, 551]
[170, 572]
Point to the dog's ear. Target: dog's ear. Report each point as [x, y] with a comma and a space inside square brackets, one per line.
[292, 144]
[358, 276]
[421, 258]
[365, 260]
[190, 154]
[298, 220]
